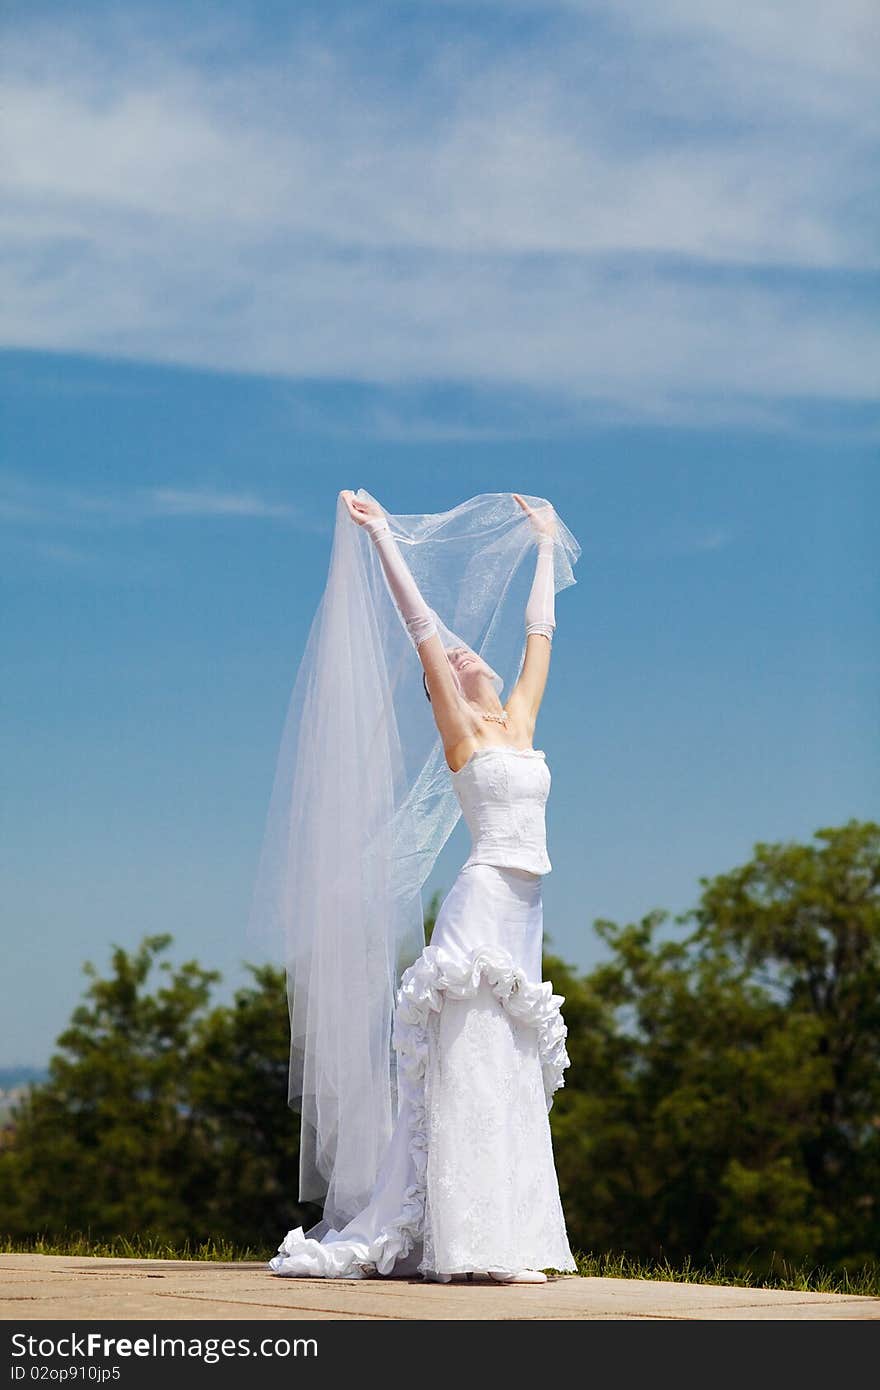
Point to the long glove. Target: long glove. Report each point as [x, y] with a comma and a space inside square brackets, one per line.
[540, 606]
[420, 619]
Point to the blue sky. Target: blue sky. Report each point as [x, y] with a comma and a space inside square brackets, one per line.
[619, 256]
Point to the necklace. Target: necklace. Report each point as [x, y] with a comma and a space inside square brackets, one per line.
[498, 718]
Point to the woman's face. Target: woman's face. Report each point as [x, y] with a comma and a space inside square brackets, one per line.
[469, 668]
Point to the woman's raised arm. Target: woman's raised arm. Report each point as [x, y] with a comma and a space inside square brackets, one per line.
[419, 617]
[540, 619]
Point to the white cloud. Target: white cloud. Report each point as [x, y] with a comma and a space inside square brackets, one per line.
[649, 227]
[167, 501]
[24, 502]
[792, 36]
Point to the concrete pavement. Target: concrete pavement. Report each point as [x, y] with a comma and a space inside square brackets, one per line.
[76, 1287]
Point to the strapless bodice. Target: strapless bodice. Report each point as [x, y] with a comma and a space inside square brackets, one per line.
[502, 793]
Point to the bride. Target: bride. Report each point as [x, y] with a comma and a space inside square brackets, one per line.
[467, 1183]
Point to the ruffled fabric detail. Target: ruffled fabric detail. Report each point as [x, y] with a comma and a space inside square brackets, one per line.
[423, 986]
[437, 972]
[316, 1261]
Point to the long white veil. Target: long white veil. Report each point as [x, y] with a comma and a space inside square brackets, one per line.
[362, 804]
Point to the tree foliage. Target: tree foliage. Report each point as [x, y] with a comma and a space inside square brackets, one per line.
[161, 1113]
[725, 1093]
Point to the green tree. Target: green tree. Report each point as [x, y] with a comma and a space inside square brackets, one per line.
[160, 1113]
[724, 1094]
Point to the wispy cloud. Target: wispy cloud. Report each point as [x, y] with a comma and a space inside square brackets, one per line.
[644, 213]
[25, 503]
[176, 502]
[57, 553]
[712, 539]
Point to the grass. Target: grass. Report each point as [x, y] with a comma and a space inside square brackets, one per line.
[140, 1247]
[782, 1274]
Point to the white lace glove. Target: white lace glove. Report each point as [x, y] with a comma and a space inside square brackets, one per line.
[421, 621]
[540, 606]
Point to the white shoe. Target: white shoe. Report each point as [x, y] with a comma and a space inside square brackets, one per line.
[436, 1278]
[523, 1276]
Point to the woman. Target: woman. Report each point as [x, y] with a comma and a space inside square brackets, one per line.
[467, 1184]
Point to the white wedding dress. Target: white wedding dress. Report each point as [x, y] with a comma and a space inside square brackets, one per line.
[468, 1182]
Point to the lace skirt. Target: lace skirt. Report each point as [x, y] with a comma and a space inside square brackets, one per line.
[469, 1180]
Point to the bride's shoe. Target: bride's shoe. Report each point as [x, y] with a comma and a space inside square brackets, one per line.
[523, 1276]
[436, 1278]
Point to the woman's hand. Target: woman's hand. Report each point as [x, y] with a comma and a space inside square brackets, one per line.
[360, 511]
[543, 521]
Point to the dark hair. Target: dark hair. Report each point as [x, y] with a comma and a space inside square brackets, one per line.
[425, 683]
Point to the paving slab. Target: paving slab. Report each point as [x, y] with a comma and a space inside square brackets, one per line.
[76, 1287]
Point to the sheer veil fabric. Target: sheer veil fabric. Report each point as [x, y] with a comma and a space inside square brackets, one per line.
[362, 804]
